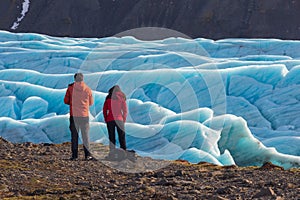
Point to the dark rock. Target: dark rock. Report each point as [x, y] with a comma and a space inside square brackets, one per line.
[225, 190]
[265, 192]
[159, 174]
[213, 19]
[38, 192]
[48, 144]
[166, 182]
[179, 173]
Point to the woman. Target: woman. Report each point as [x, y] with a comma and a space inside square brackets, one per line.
[115, 113]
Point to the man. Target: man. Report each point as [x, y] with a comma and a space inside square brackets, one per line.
[79, 97]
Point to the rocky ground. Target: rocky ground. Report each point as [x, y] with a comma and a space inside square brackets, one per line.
[44, 171]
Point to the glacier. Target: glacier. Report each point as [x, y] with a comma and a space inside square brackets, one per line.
[230, 101]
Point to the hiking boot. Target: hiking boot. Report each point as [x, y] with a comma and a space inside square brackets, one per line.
[73, 158]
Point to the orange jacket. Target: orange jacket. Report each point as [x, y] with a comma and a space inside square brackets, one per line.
[79, 97]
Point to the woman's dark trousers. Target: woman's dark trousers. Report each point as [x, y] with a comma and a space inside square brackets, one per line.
[111, 127]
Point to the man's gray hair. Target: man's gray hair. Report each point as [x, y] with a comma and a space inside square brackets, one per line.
[78, 77]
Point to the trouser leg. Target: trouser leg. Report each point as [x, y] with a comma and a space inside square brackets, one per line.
[111, 135]
[74, 138]
[121, 134]
[85, 127]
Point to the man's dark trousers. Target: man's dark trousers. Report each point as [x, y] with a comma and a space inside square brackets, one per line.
[82, 124]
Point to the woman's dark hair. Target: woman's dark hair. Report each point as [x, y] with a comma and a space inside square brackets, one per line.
[113, 90]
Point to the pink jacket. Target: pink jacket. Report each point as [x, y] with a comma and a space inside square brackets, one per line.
[115, 108]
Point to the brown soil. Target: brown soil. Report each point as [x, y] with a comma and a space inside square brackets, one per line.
[44, 171]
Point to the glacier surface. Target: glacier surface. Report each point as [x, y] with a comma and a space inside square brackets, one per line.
[231, 101]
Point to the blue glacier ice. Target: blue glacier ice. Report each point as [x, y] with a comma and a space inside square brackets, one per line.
[231, 101]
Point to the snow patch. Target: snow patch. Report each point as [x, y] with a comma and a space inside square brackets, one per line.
[25, 8]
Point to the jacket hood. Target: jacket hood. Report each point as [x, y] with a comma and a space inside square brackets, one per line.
[119, 95]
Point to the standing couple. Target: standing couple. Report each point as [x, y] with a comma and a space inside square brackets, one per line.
[79, 97]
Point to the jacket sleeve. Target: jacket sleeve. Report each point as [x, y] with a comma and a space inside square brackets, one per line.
[91, 99]
[124, 109]
[67, 97]
[104, 110]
